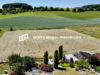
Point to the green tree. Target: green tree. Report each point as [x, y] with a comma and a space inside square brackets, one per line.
[98, 9]
[11, 28]
[0, 10]
[46, 57]
[80, 10]
[56, 61]
[67, 9]
[14, 58]
[18, 68]
[74, 10]
[61, 9]
[28, 63]
[60, 52]
[93, 60]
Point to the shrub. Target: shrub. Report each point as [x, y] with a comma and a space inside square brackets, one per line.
[93, 60]
[61, 61]
[28, 63]
[97, 69]
[18, 68]
[46, 68]
[71, 65]
[14, 58]
[82, 64]
[50, 57]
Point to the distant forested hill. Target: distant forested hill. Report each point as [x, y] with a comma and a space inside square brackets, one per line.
[92, 6]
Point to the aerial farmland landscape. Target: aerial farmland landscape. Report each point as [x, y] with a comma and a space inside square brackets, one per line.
[49, 37]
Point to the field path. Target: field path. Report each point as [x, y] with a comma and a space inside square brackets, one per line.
[10, 44]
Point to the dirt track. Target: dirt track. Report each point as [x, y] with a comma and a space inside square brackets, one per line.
[10, 44]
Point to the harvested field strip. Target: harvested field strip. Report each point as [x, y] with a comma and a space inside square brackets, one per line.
[36, 47]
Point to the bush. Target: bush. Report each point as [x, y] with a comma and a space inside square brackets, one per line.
[71, 65]
[18, 68]
[28, 62]
[82, 64]
[14, 58]
[61, 61]
[93, 60]
[97, 69]
[50, 57]
[46, 68]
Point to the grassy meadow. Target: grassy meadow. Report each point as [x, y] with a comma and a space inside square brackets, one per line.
[92, 30]
[57, 14]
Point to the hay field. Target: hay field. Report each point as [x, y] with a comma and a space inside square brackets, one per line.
[10, 44]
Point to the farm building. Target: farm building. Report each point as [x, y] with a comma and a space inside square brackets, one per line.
[67, 58]
[82, 54]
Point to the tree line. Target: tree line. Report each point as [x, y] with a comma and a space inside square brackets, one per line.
[14, 8]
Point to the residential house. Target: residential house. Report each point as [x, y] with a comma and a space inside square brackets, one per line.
[82, 54]
[67, 58]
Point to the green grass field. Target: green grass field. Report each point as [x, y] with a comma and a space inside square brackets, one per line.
[92, 30]
[4, 67]
[49, 19]
[56, 14]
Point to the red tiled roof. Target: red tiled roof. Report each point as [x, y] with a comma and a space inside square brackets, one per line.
[98, 55]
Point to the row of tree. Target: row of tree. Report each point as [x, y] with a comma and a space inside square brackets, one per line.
[14, 8]
[58, 55]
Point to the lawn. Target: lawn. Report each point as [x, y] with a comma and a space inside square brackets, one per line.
[57, 14]
[69, 71]
[4, 67]
[92, 30]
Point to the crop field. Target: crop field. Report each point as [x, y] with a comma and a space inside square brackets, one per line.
[9, 43]
[40, 22]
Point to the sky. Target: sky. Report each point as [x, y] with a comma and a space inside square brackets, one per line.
[54, 3]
